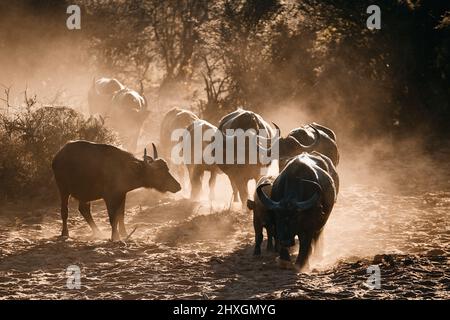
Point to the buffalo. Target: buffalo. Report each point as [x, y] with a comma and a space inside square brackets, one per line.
[174, 119]
[89, 171]
[127, 115]
[262, 218]
[301, 200]
[101, 93]
[125, 109]
[244, 119]
[197, 170]
[318, 137]
[240, 174]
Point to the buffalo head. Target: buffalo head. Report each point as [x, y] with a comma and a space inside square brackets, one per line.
[157, 175]
[300, 198]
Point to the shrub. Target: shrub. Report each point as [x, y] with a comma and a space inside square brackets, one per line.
[28, 142]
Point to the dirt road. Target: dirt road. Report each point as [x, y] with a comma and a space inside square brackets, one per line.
[189, 250]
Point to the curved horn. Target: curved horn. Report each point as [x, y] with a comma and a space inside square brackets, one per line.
[307, 204]
[155, 152]
[314, 183]
[145, 155]
[266, 201]
[145, 102]
[147, 158]
[328, 131]
[276, 127]
[314, 144]
[267, 151]
[141, 88]
[94, 86]
[311, 202]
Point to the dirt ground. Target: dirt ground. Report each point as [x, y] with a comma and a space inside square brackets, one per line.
[187, 250]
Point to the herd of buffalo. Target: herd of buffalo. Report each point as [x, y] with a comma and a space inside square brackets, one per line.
[296, 202]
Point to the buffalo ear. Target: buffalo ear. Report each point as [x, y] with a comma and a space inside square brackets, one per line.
[250, 204]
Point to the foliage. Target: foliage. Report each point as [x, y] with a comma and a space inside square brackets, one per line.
[316, 55]
[30, 138]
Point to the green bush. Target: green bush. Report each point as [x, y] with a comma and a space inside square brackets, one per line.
[30, 139]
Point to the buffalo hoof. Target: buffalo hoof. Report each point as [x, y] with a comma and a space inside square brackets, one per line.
[96, 235]
[285, 264]
[63, 237]
[301, 268]
[257, 251]
[124, 235]
[115, 237]
[64, 234]
[284, 254]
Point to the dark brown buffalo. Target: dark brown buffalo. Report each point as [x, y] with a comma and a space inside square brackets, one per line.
[240, 174]
[293, 143]
[124, 109]
[301, 200]
[244, 119]
[101, 93]
[262, 218]
[90, 171]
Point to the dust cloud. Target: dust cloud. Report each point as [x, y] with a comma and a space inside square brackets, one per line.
[392, 210]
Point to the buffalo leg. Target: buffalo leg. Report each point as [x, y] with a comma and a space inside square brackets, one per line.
[212, 184]
[181, 170]
[318, 244]
[121, 217]
[195, 175]
[284, 254]
[257, 225]
[270, 236]
[178, 172]
[64, 213]
[277, 243]
[235, 189]
[113, 205]
[243, 192]
[304, 251]
[85, 210]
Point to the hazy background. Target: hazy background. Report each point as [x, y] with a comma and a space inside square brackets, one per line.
[384, 92]
[314, 56]
[292, 61]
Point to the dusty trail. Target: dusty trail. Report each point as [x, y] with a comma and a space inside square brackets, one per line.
[188, 250]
